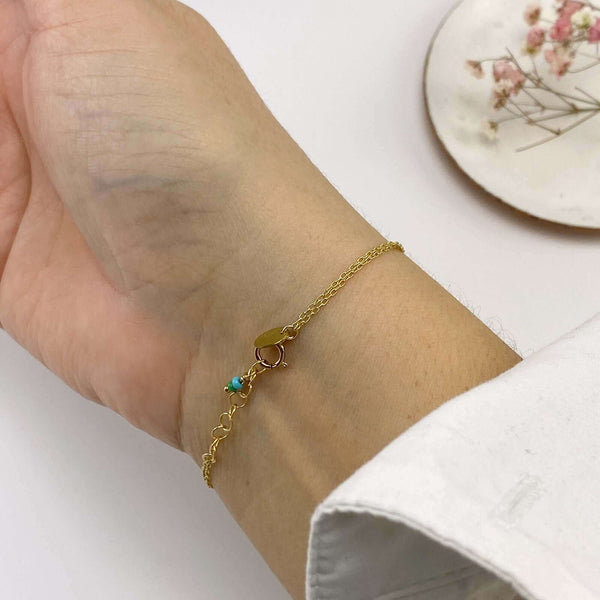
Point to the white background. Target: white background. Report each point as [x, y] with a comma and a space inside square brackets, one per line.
[92, 508]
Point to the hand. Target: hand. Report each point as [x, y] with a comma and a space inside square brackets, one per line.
[130, 149]
[147, 198]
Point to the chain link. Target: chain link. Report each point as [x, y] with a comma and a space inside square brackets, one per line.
[320, 301]
[225, 425]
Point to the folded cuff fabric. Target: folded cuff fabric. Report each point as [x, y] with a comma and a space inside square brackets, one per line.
[494, 495]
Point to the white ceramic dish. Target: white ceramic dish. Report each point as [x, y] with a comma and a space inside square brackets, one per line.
[558, 181]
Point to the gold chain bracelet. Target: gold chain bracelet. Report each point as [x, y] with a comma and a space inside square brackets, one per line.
[241, 386]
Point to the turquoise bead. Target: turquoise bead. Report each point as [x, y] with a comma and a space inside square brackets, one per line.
[237, 383]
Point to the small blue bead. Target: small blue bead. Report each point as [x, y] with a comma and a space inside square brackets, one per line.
[237, 383]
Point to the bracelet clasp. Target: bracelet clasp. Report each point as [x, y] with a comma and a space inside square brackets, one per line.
[272, 338]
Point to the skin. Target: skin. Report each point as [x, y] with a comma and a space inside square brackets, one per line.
[155, 218]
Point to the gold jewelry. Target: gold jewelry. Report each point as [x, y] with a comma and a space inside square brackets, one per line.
[241, 386]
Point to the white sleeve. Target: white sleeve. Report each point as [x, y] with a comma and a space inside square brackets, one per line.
[499, 486]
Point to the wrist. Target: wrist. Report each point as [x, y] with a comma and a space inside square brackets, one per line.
[390, 348]
[296, 245]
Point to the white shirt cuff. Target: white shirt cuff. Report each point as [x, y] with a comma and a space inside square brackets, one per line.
[498, 487]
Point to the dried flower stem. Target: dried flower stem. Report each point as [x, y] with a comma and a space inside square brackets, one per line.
[562, 132]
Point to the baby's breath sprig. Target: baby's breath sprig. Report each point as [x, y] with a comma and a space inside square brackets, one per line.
[569, 43]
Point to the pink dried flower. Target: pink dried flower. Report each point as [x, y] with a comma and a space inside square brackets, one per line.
[501, 69]
[533, 13]
[562, 29]
[568, 7]
[504, 70]
[535, 38]
[594, 32]
[474, 67]
[559, 59]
